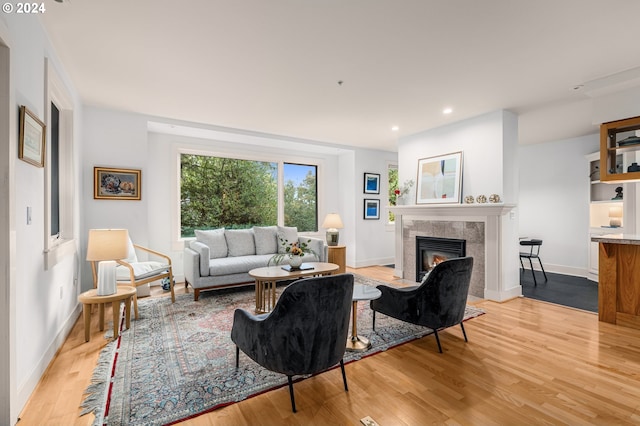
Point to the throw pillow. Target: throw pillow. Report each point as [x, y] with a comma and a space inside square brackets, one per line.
[266, 239]
[215, 240]
[240, 242]
[288, 234]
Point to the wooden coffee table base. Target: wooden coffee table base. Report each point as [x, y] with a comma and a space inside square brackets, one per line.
[90, 297]
[267, 278]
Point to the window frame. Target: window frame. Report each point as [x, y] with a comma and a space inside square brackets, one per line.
[272, 157]
[59, 246]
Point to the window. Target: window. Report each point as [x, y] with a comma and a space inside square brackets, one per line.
[54, 165]
[59, 171]
[226, 192]
[301, 197]
[393, 185]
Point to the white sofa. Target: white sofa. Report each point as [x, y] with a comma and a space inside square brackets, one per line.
[223, 257]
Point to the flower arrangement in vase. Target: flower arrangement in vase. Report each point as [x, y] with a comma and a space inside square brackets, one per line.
[402, 192]
[294, 251]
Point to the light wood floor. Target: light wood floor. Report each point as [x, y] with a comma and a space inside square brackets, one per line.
[527, 362]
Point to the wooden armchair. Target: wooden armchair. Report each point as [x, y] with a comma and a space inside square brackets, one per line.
[135, 273]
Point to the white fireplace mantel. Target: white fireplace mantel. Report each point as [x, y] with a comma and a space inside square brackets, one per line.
[501, 240]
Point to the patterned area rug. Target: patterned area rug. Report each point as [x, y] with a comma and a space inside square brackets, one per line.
[178, 361]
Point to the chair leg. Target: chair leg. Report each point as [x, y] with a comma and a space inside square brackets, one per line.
[463, 332]
[543, 272]
[344, 376]
[237, 356]
[437, 340]
[374, 320]
[533, 273]
[293, 401]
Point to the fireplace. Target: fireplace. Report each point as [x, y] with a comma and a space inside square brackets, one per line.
[432, 250]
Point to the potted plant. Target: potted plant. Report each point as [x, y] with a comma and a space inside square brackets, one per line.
[294, 251]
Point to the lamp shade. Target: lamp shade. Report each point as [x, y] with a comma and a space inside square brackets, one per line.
[107, 244]
[333, 221]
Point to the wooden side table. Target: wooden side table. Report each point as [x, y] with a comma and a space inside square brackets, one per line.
[338, 255]
[90, 297]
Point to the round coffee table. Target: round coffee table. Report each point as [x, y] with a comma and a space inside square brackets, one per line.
[357, 343]
[267, 277]
[90, 297]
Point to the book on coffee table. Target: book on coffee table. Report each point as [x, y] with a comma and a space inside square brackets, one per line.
[303, 267]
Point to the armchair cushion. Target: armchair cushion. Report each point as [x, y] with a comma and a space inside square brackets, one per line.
[215, 240]
[141, 270]
[289, 234]
[240, 242]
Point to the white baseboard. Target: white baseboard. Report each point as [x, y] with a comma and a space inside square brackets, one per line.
[27, 388]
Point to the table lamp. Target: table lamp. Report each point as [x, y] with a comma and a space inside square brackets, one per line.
[332, 222]
[615, 217]
[105, 246]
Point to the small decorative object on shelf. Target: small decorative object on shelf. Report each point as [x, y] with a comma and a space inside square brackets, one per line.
[481, 199]
[469, 199]
[619, 195]
[494, 198]
[633, 168]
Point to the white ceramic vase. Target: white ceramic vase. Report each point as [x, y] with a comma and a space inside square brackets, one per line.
[295, 261]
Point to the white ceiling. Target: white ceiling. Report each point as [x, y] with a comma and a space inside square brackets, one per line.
[273, 66]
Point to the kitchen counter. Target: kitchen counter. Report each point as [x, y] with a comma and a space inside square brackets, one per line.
[619, 279]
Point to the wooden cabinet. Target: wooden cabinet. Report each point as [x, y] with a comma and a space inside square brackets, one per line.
[619, 150]
[338, 256]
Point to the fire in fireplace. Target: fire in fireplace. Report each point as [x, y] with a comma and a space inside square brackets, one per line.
[432, 250]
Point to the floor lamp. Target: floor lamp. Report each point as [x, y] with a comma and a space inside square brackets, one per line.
[105, 246]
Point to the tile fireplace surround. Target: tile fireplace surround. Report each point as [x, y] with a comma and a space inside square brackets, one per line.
[491, 241]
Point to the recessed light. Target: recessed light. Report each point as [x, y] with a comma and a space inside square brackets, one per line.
[395, 128]
[447, 110]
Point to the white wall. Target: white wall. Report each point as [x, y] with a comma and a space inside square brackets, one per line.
[43, 301]
[374, 244]
[554, 201]
[481, 141]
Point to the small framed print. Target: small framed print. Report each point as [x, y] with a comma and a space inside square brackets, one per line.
[371, 209]
[116, 184]
[32, 138]
[371, 183]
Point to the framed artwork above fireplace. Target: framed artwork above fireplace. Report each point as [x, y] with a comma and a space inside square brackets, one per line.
[440, 179]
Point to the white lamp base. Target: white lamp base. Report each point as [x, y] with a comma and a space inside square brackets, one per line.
[332, 237]
[107, 278]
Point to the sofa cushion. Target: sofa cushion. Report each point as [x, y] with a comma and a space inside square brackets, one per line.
[215, 240]
[288, 235]
[240, 242]
[238, 264]
[266, 239]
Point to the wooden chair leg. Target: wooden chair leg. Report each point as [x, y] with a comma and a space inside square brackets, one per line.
[293, 401]
[344, 376]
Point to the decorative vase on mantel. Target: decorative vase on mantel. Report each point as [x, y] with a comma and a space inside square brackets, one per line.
[295, 261]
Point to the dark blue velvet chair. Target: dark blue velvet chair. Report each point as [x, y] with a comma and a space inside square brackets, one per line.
[439, 302]
[306, 332]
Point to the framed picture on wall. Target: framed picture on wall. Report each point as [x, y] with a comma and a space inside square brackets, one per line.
[116, 184]
[440, 179]
[32, 138]
[371, 209]
[371, 183]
